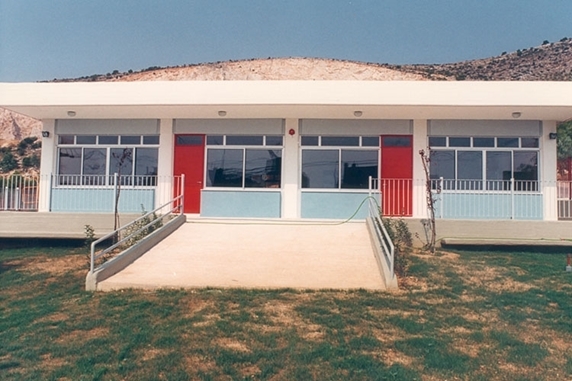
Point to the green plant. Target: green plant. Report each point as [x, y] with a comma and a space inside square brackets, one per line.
[32, 161]
[402, 239]
[143, 227]
[8, 162]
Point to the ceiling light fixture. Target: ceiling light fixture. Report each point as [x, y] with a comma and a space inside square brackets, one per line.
[516, 115]
[358, 113]
[71, 113]
[222, 113]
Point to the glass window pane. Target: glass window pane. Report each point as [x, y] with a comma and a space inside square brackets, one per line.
[151, 139]
[525, 166]
[340, 141]
[243, 140]
[85, 139]
[459, 142]
[370, 141]
[529, 142]
[310, 141]
[70, 161]
[146, 160]
[507, 142]
[396, 141]
[121, 161]
[320, 168]
[66, 139]
[262, 168]
[437, 141]
[274, 140]
[94, 166]
[499, 170]
[108, 139]
[469, 170]
[358, 166]
[224, 167]
[189, 140]
[483, 142]
[130, 139]
[442, 164]
[215, 140]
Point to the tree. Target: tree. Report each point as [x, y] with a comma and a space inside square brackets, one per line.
[8, 162]
[564, 142]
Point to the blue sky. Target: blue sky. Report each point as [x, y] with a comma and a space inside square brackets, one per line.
[46, 39]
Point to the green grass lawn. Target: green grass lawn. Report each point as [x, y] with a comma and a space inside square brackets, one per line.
[466, 316]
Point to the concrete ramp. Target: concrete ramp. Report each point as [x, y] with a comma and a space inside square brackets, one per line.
[256, 255]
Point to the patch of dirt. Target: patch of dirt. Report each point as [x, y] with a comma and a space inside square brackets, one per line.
[199, 364]
[231, 344]
[491, 279]
[50, 362]
[54, 318]
[79, 335]
[151, 353]
[54, 266]
[391, 356]
[250, 371]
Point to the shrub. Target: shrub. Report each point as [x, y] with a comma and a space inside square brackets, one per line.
[8, 162]
[32, 161]
[402, 239]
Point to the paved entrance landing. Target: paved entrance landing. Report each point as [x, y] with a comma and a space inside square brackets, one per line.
[272, 255]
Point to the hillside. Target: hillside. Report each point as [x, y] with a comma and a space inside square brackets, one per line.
[549, 61]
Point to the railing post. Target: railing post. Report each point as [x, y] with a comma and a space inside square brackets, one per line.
[512, 198]
[182, 206]
[6, 198]
[115, 187]
[442, 208]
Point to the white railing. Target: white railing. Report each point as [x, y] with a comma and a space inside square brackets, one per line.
[382, 237]
[128, 235]
[564, 191]
[19, 193]
[98, 193]
[492, 199]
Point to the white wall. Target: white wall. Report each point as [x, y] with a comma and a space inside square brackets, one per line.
[548, 170]
[291, 171]
[47, 164]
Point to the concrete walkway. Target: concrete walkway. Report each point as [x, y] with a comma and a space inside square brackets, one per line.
[266, 255]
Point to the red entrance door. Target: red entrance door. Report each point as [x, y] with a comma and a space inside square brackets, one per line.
[396, 175]
[190, 161]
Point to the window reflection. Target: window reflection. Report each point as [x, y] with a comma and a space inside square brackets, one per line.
[320, 168]
[262, 168]
[224, 167]
[357, 167]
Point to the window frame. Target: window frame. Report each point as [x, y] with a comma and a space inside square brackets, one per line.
[106, 179]
[486, 184]
[223, 144]
[340, 149]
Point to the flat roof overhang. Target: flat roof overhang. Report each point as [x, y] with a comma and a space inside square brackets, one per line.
[291, 99]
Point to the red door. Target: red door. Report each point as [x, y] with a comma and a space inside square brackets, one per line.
[190, 161]
[397, 175]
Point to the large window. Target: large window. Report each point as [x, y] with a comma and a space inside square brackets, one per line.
[95, 159]
[491, 163]
[339, 162]
[244, 161]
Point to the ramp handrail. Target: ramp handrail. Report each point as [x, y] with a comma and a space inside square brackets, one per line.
[383, 238]
[176, 207]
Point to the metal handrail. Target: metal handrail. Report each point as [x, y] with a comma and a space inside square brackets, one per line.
[178, 203]
[382, 236]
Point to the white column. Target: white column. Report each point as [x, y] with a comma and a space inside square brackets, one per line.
[419, 143]
[291, 173]
[165, 162]
[548, 171]
[47, 164]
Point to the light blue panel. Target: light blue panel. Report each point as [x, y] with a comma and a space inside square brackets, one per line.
[335, 205]
[92, 200]
[488, 206]
[243, 204]
[136, 200]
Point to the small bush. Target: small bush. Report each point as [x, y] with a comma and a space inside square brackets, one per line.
[8, 162]
[31, 161]
[402, 241]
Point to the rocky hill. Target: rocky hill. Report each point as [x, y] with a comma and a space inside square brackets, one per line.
[549, 61]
